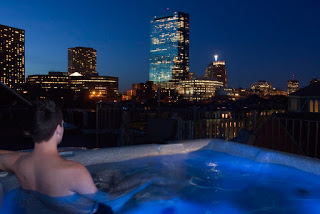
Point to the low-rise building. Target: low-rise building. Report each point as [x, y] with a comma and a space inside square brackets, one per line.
[200, 88]
[86, 88]
[262, 87]
[306, 99]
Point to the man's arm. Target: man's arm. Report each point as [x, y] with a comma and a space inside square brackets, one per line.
[6, 152]
[8, 159]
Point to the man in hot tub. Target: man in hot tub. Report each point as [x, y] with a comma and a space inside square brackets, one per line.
[50, 183]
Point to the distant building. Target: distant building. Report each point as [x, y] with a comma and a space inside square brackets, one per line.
[141, 92]
[98, 88]
[233, 94]
[129, 95]
[54, 80]
[82, 60]
[200, 88]
[12, 67]
[102, 88]
[169, 50]
[191, 75]
[262, 87]
[314, 81]
[306, 99]
[292, 86]
[278, 92]
[218, 71]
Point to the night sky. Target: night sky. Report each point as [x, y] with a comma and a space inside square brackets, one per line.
[259, 39]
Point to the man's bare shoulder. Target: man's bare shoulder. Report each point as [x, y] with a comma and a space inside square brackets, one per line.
[72, 167]
[76, 169]
[81, 179]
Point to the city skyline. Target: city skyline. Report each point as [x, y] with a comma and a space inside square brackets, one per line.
[264, 41]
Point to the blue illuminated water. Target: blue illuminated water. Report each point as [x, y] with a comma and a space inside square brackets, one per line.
[211, 182]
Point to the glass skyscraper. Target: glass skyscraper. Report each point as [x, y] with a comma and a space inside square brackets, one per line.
[169, 50]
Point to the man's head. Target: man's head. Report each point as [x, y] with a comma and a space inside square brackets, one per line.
[47, 121]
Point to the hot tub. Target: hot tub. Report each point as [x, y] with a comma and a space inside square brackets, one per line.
[203, 176]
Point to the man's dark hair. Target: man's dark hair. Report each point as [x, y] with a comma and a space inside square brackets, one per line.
[46, 116]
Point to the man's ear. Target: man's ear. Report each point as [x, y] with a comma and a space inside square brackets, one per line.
[59, 129]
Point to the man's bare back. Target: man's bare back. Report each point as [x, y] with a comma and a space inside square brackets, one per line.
[43, 170]
[52, 175]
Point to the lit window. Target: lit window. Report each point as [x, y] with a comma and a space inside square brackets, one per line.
[311, 106]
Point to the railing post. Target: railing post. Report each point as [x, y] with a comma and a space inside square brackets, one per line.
[300, 141]
[272, 132]
[267, 143]
[285, 136]
[254, 120]
[308, 137]
[292, 135]
[316, 145]
[278, 142]
[97, 125]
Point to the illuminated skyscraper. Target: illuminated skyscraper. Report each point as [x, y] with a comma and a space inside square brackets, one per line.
[218, 71]
[12, 70]
[292, 86]
[169, 50]
[82, 60]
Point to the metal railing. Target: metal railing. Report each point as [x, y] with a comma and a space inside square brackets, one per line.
[298, 136]
[191, 123]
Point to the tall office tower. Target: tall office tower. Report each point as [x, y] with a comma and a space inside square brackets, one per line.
[292, 86]
[12, 70]
[169, 50]
[82, 60]
[217, 70]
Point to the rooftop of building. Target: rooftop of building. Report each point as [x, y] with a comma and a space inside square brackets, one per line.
[5, 26]
[293, 81]
[204, 78]
[82, 48]
[169, 14]
[309, 91]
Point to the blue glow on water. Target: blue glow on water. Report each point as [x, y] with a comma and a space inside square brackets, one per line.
[176, 206]
[212, 182]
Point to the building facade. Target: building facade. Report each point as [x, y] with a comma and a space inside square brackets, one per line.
[292, 86]
[218, 71]
[82, 60]
[198, 88]
[314, 81]
[262, 87]
[169, 49]
[306, 99]
[12, 56]
[104, 88]
[54, 80]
